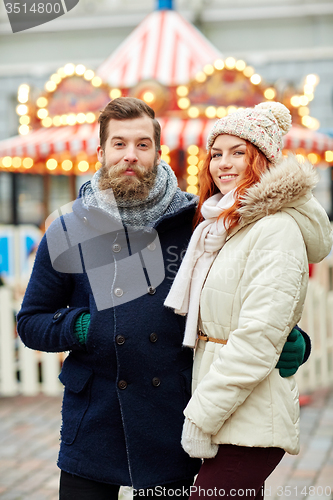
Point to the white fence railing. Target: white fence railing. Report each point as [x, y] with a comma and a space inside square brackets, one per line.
[24, 371]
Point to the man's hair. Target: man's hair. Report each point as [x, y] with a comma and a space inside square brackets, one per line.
[127, 108]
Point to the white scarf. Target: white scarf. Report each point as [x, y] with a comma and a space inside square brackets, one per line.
[206, 241]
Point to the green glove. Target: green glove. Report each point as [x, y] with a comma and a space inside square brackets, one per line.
[292, 354]
[81, 327]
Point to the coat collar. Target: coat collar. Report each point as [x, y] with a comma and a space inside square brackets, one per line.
[288, 184]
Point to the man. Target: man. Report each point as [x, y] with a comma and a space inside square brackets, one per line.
[97, 290]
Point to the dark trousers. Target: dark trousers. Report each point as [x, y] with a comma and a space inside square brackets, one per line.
[78, 488]
[236, 471]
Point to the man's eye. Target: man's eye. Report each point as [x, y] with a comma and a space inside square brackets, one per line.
[143, 145]
[118, 143]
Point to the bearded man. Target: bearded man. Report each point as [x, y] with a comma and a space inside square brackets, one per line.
[96, 292]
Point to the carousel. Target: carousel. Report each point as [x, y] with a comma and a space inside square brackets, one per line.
[170, 65]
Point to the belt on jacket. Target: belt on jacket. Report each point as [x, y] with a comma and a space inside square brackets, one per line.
[204, 336]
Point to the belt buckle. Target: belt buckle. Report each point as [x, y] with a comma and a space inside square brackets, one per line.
[206, 339]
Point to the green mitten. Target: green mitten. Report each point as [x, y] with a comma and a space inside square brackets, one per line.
[292, 354]
[81, 327]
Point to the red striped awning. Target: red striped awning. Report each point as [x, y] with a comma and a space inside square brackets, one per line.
[164, 47]
[177, 133]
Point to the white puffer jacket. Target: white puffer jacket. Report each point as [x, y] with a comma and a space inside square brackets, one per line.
[253, 297]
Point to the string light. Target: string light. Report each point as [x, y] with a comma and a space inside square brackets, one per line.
[230, 63]
[192, 160]
[329, 156]
[192, 189]
[240, 65]
[209, 69]
[83, 166]
[51, 164]
[67, 165]
[219, 64]
[27, 162]
[201, 77]
[248, 71]
[7, 161]
[69, 69]
[193, 112]
[41, 102]
[22, 109]
[193, 149]
[183, 103]
[80, 69]
[255, 79]
[24, 129]
[210, 112]
[16, 162]
[115, 93]
[221, 112]
[192, 170]
[149, 97]
[270, 93]
[182, 91]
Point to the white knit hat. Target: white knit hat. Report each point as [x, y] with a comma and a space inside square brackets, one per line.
[264, 125]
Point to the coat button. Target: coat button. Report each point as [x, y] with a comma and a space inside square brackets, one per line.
[120, 339]
[122, 384]
[85, 220]
[153, 337]
[57, 315]
[151, 290]
[118, 292]
[151, 247]
[156, 382]
[116, 248]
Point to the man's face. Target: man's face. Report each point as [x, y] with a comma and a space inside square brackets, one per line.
[129, 158]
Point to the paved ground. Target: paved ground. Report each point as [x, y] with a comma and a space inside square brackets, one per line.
[29, 438]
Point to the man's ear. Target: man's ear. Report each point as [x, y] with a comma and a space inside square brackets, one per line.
[100, 154]
[158, 157]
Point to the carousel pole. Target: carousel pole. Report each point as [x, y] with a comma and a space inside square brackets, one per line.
[164, 5]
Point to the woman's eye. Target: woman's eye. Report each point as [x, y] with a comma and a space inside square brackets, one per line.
[240, 152]
[216, 155]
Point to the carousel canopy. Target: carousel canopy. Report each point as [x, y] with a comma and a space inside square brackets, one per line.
[164, 47]
[176, 134]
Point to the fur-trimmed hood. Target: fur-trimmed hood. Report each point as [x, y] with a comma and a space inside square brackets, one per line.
[288, 187]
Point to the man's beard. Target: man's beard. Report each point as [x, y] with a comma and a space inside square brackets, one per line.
[127, 187]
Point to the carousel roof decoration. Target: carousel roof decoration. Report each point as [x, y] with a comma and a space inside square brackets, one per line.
[171, 66]
[72, 95]
[164, 47]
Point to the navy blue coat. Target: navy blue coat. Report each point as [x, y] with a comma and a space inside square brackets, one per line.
[126, 389]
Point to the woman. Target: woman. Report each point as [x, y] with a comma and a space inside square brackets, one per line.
[243, 283]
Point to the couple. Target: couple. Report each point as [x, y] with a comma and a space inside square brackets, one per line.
[238, 295]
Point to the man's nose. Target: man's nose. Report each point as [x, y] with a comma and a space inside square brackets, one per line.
[130, 155]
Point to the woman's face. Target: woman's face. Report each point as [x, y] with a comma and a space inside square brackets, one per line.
[227, 166]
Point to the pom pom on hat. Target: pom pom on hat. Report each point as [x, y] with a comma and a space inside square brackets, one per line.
[280, 112]
[264, 125]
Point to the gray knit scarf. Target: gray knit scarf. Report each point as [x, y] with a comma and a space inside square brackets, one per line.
[163, 198]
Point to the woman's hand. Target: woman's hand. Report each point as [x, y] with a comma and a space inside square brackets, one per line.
[196, 443]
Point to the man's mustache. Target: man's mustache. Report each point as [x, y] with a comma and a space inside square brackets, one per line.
[116, 170]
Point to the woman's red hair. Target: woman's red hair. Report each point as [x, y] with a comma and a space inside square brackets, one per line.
[257, 164]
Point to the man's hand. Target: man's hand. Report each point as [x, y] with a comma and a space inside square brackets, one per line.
[292, 355]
